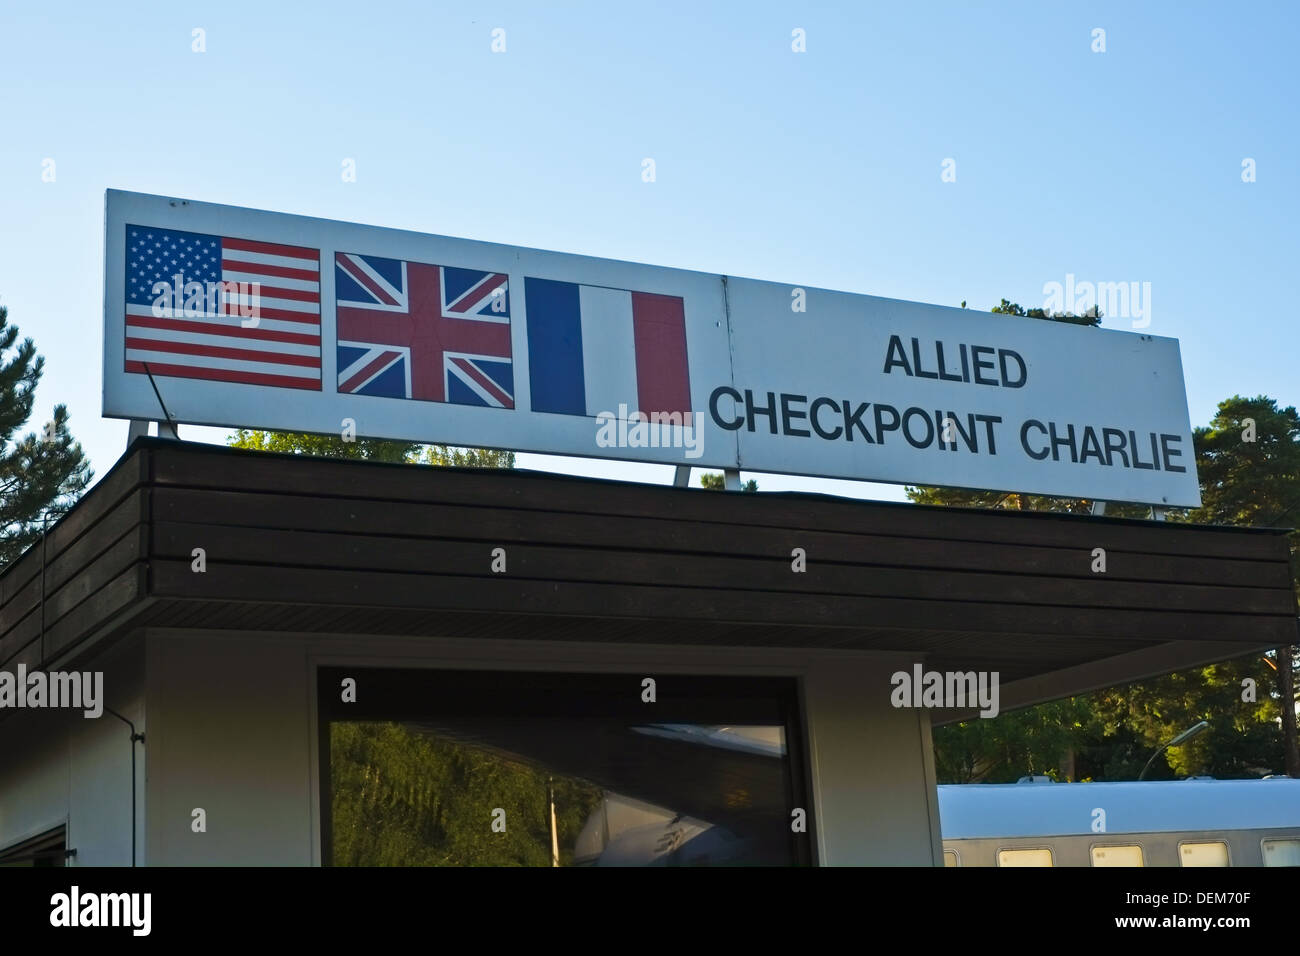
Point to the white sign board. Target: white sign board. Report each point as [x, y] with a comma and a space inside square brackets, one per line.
[254, 319]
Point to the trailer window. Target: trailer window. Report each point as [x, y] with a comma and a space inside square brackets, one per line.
[1282, 852]
[1126, 855]
[1203, 854]
[1036, 856]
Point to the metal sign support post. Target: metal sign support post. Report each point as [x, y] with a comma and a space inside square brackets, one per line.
[730, 478]
[1156, 513]
[140, 428]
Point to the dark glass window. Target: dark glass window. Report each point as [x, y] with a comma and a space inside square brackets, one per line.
[456, 768]
[46, 849]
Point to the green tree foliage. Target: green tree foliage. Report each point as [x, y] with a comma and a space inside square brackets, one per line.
[371, 449]
[1242, 740]
[1248, 461]
[1090, 318]
[1253, 483]
[716, 481]
[400, 797]
[39, 473]
[1012, 745]
[1109, 734]
[467, 457]
[325, 446]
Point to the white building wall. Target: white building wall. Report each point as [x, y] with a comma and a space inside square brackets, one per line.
[229, 734]
[232, 731]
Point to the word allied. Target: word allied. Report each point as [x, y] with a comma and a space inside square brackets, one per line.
[75, 909]
[946, 689]
[974, 364]
[57, 689]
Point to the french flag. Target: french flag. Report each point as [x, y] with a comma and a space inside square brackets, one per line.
[591, 349]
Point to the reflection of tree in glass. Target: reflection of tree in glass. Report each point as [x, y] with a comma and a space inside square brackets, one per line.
[408, 799]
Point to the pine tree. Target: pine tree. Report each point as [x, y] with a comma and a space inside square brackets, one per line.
[1248, 460]
[41, 475]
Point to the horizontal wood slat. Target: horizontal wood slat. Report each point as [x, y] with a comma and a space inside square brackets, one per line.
[770, 574]
[254, 472]
[271, 513]
[124, 557]
[251, 583]
[119, 595]
[103, 499]
[125, 518]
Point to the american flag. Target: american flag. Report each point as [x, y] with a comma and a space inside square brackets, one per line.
[433, 333]
[264, 331]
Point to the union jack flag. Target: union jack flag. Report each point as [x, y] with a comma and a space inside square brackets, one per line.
[432, 333]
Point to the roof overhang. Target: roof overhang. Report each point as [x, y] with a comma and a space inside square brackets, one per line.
[298, 544]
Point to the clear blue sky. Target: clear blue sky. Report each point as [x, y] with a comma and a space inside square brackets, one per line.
[819, 169]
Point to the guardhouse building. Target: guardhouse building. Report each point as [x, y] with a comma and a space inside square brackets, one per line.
[316, 662]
